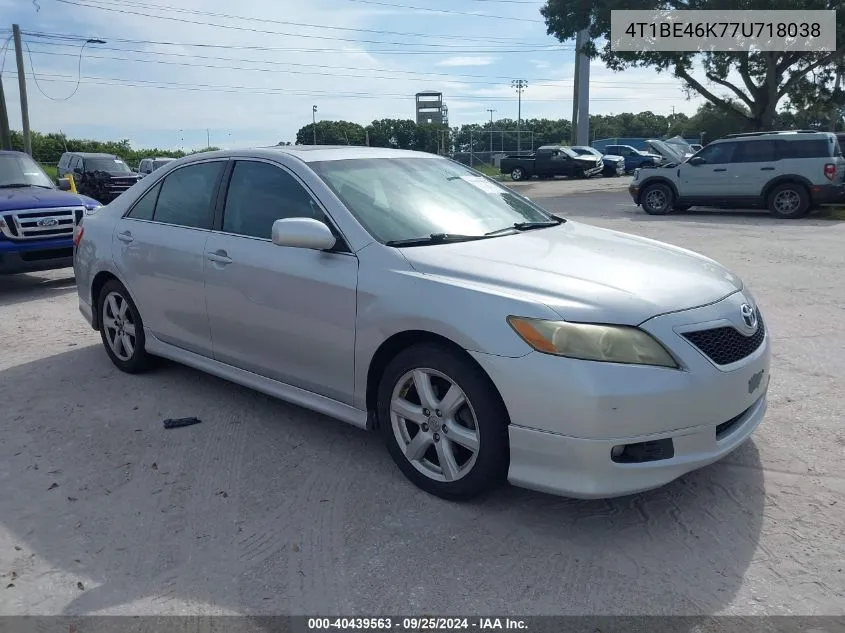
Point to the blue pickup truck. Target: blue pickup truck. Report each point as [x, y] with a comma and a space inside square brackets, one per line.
[37, 217]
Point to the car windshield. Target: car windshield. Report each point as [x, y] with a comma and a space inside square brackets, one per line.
[106, 164]
[21, 170]
[569, 151]
[407, 198]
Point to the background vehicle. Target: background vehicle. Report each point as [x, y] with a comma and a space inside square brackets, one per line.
[634, 158]
[549, 161]
[37, 218]
[101, 176]
[149, 165]
[790, 173]
[404, 292]
[613, 165]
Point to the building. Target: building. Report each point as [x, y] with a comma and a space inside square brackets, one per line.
[431, 109]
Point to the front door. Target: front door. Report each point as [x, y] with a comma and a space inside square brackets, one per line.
[283, 313]
[159, 248]
[715, 178]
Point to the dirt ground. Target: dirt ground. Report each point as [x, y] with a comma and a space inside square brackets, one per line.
[268, 509]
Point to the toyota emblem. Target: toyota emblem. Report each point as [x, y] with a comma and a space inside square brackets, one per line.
[749, 316]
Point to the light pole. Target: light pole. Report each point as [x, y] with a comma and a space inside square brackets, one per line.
[519, 85]
[314, 122]
[491, 111]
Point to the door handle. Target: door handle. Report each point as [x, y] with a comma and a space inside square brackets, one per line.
[721, 169]
[767, 169]
[126, 236]
[219, 257]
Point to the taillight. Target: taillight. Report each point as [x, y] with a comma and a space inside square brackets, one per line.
[77, 234]
[830, 171]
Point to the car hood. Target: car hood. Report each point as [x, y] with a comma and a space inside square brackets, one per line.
[36, 198]
[583, 273]
[613, 157]
[589, 159]
[671, 150]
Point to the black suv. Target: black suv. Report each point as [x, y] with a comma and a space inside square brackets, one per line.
[100, 176]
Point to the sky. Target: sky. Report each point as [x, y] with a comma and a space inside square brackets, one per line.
[180, 74]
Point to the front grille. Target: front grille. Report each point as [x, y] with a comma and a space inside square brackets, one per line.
[726, 345]
[33, 224]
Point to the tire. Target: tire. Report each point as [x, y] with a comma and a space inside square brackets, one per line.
[657, 199]
[579, 174]
[114, 301]
[789, 201]
[481, 421]
[518, 173]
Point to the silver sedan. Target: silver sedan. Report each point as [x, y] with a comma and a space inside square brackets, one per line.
[485, 339]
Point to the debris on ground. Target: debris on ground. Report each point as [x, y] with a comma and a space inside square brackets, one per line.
[53, 486]
[80, 586]
[175, 423]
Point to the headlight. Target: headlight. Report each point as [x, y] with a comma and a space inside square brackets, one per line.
[637, 173]
[585, 341]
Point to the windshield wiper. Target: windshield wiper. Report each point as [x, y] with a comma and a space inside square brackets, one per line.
[435, 238]
[17, 185]
[527, 226]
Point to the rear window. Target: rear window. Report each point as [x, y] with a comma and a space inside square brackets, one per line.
[805, 149]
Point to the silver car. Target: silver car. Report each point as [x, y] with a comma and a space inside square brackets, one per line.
[484, 338]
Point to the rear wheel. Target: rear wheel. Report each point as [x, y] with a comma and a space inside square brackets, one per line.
[444, 424]
[657, 199]
[789, 201]
[517, 173]
[122, 329]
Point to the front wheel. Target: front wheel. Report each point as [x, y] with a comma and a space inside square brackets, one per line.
[122, 329]
[657, 199]
[517, 173]
[444, 423]
[789, 201]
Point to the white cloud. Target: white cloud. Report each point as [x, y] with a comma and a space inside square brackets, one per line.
[467, 61]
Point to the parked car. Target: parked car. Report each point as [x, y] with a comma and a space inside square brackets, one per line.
[695, 147]
[37, 217]
[101, 176]
[149, 165]
[613, 165]
[486, 339]
[790, 173]
[550, 161]
[634, 158]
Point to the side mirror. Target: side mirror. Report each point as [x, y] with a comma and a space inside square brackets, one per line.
[64, 184]
[695, 161]
[303, 233]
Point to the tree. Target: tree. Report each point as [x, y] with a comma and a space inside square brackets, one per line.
[332, 133]
[766, 78]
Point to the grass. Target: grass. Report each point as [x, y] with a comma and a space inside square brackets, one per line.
[832, 213]
[51, 171]
[491, 171]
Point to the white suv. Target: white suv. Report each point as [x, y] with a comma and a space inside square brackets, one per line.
[790, 173]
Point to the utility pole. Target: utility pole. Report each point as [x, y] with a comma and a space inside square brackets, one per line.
[314, 122]
[207, 138]
[5, 132]
[491, 111]
[582, 89]
[367, 137]
[27, 137]
[519, 85]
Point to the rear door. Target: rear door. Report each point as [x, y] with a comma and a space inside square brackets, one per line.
[159, 248]
[754, 164]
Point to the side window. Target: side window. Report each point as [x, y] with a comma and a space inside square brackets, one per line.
[259, 194]
[756, 152]
[187, 196]
[718, 154]
[804, 149]
[145, 207]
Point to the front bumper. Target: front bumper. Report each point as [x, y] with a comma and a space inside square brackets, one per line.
[28, 257]
[568, 415]
[634, 190]
[594, 171]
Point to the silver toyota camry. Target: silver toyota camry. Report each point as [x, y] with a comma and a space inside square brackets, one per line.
[485, 339]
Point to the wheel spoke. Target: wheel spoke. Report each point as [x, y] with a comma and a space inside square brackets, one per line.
[109, 323]
[417, 447]
[463, 436]
[425, 390]
[129, 328]
[408, 411]
[112, 306]
[123, 305]
[128, 346]
[447, 460]
[118, 345]
[452, 401]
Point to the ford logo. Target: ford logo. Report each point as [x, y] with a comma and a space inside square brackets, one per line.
[48, 222]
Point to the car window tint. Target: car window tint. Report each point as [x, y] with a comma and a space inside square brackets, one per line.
[145, 207]
[718, 154]
[259, 194]
[187, 196]
[756, 152]
[804, 149]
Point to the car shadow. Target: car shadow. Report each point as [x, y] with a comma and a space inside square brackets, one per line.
[15, 289]
[268, 509]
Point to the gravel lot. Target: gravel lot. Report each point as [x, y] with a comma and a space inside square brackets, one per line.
[268, 509]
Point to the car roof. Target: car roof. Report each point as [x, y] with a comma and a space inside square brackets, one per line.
[313, 153]
[4, 152]
[93, 155]
[793, 135]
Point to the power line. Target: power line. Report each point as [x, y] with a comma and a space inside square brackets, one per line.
[452, 47]
[77, 38]
[262, 20]
[447, 11]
